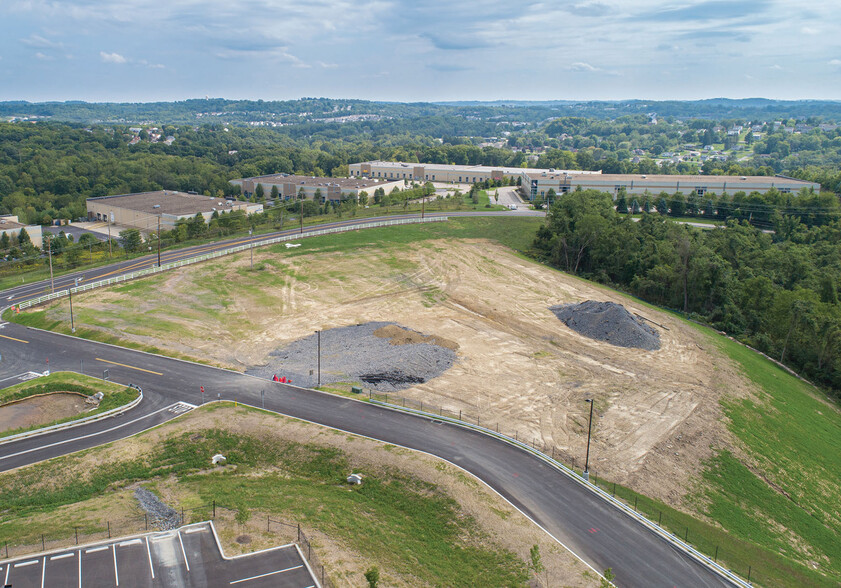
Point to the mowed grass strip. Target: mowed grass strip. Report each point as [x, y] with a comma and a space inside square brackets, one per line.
[114, 395]
[405, 524]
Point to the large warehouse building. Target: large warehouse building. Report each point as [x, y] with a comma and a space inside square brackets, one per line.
[335, 189]
[11, 226]
[539, 184]
[142, 211]
[436, 172]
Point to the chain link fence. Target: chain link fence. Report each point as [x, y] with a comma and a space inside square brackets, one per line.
[233, 523]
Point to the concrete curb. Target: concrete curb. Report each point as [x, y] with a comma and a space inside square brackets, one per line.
[77, 423]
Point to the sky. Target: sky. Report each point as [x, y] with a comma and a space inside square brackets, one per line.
[419, 50]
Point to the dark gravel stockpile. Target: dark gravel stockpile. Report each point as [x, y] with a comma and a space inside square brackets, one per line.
[608, 321]
[383, 356]
[160, 515]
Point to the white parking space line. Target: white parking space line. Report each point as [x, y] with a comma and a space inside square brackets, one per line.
[62, 556]
[149, 553]
[132, 542]
[6, 581]
[80, 568]
[43, 572]
[116, 574]
[186, 563]
[23, 564]
[264, 575]
[95, 549]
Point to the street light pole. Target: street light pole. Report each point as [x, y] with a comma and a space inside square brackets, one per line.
[252, 248]
[319, 359]
[50, 253]
[159, 241]
[589, 430]
[70, 295]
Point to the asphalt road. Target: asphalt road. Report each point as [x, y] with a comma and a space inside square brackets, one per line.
[186, 557]
[23, 292]
[593, 529]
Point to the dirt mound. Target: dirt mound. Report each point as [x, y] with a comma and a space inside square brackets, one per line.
[398, 335]
[385, 356]
[608, 321]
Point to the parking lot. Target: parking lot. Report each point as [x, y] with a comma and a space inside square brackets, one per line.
[187, 557]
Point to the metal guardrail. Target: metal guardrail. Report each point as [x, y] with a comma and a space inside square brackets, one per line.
[198, 259]
[670, 537]
[78, 422]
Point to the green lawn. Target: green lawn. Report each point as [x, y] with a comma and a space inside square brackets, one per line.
[114, 395]
[401, 522]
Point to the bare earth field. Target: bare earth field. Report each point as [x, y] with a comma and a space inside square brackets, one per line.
[658, 411]
[41, 410]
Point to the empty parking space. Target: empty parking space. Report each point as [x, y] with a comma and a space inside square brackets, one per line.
[188, 557]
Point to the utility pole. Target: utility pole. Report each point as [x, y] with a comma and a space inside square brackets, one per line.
[159, 241]
[252, 248]
[109, 235]
[319, 359]
[302, 216]
[50, 253]
[70, 295]
[589, 430]
[423, 205]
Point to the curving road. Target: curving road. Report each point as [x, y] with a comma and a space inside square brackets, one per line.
[594, 530]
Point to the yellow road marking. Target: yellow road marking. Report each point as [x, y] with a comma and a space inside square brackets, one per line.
[13, 339]
[131, 367]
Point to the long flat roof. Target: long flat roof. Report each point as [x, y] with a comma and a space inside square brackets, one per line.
[669, 179]
[166, 202]
[468, 168]
[314, 181]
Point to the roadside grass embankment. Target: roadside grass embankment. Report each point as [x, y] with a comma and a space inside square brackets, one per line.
[114, 395]
[410, 527]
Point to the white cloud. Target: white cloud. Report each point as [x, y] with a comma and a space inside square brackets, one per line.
[582, 66]
[835, 62]
[43, 57]
[41, 43]
[112, 57]
[776, 67]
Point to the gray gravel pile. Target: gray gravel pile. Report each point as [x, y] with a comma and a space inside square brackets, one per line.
[356, 354]
[608, 321]
[160, 515]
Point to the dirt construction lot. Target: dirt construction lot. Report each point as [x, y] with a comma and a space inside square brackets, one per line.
[657, 411]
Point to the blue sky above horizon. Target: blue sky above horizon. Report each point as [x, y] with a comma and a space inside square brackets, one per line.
[403, 50]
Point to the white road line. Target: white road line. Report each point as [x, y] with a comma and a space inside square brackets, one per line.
[116, 574]
[95, 549]
[149, 553]
[43, 572]
[62, 556]
[20, 375]
[184, 553]
[132, 542]
[27, 563]
[80, 568]
[6, 581]
[264, 575]
[83, 436]
[161, 537]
